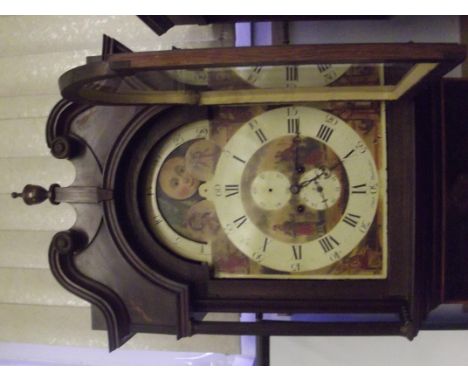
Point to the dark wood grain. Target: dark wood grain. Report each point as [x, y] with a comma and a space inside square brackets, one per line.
[279, 328]
[291, 54]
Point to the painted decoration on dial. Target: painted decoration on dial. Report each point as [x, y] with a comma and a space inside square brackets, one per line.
[296, 169]
[284, 192]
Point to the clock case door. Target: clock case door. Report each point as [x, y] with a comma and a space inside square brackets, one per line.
[110, 259]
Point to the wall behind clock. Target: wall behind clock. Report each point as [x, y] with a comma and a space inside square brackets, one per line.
[430, 29]
[34, 52]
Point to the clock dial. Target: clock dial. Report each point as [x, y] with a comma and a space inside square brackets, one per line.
[269, 192]
[294, 202]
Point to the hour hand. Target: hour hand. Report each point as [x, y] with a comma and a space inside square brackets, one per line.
[323, 171]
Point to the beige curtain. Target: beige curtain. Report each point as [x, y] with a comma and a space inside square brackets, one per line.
[34, 52]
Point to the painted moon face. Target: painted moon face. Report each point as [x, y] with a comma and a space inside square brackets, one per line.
[201, 158]
[202, 221]
[176, 181]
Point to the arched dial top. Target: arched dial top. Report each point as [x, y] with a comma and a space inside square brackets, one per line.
[172, 203]
[345, 175]
[268, 192]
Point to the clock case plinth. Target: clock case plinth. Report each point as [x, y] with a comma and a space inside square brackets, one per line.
[137, 285]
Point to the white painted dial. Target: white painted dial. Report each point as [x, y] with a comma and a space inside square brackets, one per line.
[279, 239]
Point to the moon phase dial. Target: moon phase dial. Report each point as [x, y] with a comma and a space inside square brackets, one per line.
[174, 207]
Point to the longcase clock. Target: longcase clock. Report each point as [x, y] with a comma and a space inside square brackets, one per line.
[289, 179]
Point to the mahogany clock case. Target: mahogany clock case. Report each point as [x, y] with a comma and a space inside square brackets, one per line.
[113, 261]
[205, 288]
[124, 225]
